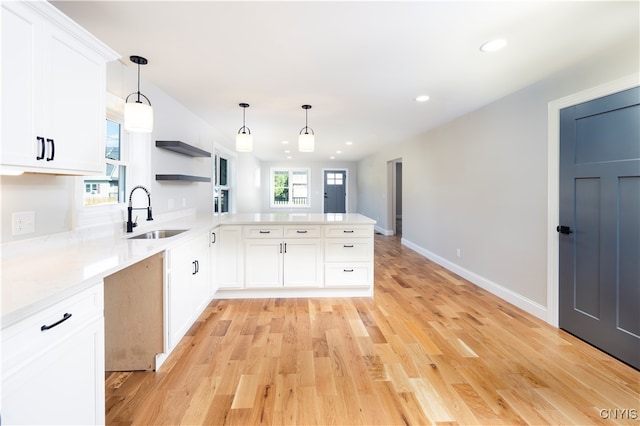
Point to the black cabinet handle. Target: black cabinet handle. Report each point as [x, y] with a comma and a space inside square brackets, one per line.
[301, 232]
[348, 232]
[564, 230]
[53, 149]
[41, 140]
[64, 318]
[280, 248]
[285, 247]
[265, 232]
[347, 245]
[213, 241]
[347, 270]
[195, 267]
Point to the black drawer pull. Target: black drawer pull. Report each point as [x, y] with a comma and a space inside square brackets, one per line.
[348, 246]
[348, 232]
[347, 270]
[64, 318]
[265, 232]
[301, 232]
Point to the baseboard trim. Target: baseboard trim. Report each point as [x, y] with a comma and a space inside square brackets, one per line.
[502, 292]
[385, 232]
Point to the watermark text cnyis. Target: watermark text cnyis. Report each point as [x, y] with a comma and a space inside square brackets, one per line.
[619, 414]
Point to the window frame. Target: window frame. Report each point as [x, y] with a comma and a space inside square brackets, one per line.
[229, 187]
[101, 214]
[290, 171]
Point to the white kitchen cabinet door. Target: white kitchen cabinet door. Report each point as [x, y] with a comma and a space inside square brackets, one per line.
[56, 375]
[188, 285]
[230, 257]
[53, 92]
[263, 262]
[303, 264]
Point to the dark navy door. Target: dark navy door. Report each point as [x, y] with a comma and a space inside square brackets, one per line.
[335, 193]
[599, 228]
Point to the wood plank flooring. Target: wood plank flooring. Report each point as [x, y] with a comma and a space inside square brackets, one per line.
[429, 348]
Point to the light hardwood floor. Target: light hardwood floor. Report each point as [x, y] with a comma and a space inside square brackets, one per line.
[429, 348]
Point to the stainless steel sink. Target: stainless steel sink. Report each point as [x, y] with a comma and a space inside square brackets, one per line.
[153, 235]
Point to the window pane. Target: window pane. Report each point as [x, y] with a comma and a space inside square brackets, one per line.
[223, 171]
[112, 145]
[281, 188]
[109, 188]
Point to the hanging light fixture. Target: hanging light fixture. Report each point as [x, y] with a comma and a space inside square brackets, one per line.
[306, 139]
[244, 142]
[138, 116]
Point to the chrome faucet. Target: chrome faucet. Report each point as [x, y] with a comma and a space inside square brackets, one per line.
[130, 209]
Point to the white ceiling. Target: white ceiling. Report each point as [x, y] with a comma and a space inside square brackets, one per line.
[359, 64]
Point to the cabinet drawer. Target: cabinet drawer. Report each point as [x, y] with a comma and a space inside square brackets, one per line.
[348, 250]
[25, 338]
[302, 231]
[348, 274]
[267, 231]
[344, 231]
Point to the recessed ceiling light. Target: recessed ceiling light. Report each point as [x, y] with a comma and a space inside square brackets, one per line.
[349, 143]
[285, 142]
[332, 158]
[288, 157]
[422, 98]
[493, 45]
[287, 151]
[338, 152]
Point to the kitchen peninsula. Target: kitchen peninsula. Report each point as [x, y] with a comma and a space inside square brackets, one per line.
[57, 292]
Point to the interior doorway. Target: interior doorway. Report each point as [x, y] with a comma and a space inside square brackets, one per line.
[395, 196]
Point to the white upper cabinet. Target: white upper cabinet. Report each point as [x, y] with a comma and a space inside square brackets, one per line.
[53, 92]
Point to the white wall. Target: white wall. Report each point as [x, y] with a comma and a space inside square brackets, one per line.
[479, 184]
[249, 184]
[317, 188]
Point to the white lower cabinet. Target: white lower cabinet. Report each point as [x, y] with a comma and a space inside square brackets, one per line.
[188, 285]
[348, 252]
[273, 261]
[213, 261]
[53, 364]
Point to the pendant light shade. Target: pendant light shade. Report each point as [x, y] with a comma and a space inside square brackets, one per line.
[244, 141]
[306, 139]
[138, 116]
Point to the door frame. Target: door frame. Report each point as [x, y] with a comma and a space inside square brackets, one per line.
[553, 181]
[391, 196]
[346, 186]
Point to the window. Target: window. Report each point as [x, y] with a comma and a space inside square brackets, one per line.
[290, 188]
[222, 186]
[110, 187]
[335, 178]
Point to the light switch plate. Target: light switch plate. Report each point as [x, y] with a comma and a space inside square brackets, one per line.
[23, 223]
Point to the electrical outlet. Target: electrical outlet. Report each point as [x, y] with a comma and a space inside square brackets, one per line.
[459, 252]
[23, 223]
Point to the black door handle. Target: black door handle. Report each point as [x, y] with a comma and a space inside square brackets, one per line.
[64, 318]
[41, 140]
[564, 230]
[53, 150]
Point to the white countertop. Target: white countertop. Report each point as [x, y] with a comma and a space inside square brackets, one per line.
[40, 272]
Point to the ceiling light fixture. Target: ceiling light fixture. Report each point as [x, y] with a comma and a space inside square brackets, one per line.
[138, 116]
[244, 141]
[306, 139]
[493, 45]
[422, 98]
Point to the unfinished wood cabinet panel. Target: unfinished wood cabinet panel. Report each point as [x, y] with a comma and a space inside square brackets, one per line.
[133, 311]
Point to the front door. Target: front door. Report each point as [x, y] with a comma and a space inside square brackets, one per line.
[599, 228]
[335, 193]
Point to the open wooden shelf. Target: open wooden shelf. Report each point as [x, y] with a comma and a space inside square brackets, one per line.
[183, 148]
[183, 178]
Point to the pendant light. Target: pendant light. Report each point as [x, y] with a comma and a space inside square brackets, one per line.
[244, 142]
[306, 139]
[138, 116]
